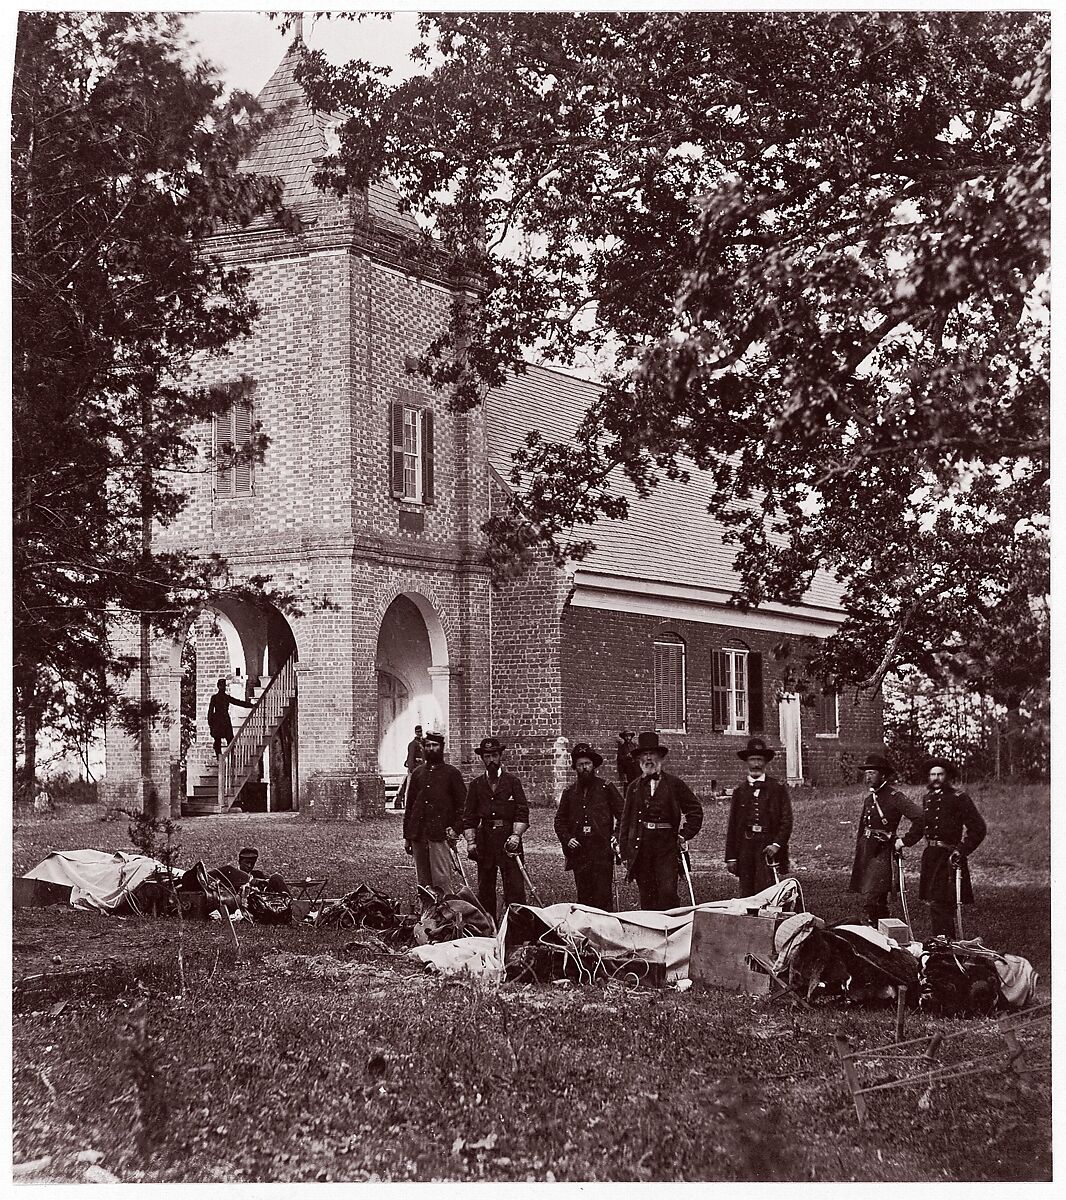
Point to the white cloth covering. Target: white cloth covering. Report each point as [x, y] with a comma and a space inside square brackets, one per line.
[641, 935]
[97, 880]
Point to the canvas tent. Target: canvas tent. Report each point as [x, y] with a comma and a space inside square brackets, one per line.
[96, 879]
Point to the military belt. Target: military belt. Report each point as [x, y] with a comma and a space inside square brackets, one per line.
[497, 824]
[656, 824]
[940, 844]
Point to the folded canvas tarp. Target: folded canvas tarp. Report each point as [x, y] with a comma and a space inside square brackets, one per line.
[96, 879]
[640, 935]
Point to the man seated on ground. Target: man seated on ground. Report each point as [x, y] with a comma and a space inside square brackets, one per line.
[245, 875]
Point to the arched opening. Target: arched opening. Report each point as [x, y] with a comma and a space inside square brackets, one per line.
[253, 648]
[412, 679]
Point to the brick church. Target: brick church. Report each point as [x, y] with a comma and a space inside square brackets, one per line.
[371, 498]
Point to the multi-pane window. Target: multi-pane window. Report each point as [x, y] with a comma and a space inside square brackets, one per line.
[233, 429]
[412, 454]
[827, 714]
[411, 434]
[669, 668]
[737, 690]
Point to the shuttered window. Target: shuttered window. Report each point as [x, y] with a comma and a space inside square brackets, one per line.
[827, 714]
[736, 691]
[233, 429]
[411, 459]
[669, 660]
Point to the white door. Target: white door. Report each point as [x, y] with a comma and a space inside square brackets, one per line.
[791, 737]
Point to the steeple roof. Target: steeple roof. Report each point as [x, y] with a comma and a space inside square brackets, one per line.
[291, 150]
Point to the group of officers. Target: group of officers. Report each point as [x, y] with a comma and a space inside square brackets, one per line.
[649, 826]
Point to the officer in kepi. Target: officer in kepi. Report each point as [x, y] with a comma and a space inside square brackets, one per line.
[760, 822]
[875, 868]
[953, 831]
[586, 824]
[495, 816]
[652, 829]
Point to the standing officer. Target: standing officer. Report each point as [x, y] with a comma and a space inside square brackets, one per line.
[494, 818]
[433, 816]
[625, 764]
[953, 830]
[651, 825]
[875, 870]
[586, 823]
[415, 755]
[760, 822]
[219, 724]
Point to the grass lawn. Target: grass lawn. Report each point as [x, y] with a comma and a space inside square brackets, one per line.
[318, 1056]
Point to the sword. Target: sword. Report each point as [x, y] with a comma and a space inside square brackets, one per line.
[682, 851]
[903, 892]
[517, 856]
[958, 903]
[458, 863]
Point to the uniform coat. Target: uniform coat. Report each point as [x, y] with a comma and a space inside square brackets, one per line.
[675, 799]
[590, 812]
[951, 817]
[491, 811]
[218, 718]
[435, 800]
[756, 821]
[874, 869]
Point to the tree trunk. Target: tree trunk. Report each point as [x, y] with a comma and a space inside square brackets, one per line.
[27, 789]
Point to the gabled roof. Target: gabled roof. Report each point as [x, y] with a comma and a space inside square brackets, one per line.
[669, 537]
[299, 138]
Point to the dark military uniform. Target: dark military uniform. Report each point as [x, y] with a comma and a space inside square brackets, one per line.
[651, 826]
[590, 811]
[435, 801]
[492, 810]
[759, 816]
[875, 871]
[952, 822]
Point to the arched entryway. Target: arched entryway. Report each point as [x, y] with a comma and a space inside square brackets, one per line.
[253, 648]
[413, 678]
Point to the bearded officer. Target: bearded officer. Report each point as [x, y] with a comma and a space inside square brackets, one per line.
[495, 816]
[434, 814]
[586, 824]
[953, 831]
[652, 828]
[760, 822]
[875, 869]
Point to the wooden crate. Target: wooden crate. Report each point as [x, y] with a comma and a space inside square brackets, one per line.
[720, 942]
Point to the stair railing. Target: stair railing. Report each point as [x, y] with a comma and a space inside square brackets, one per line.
[241, 756]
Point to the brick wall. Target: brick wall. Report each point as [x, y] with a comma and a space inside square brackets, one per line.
[607, 683]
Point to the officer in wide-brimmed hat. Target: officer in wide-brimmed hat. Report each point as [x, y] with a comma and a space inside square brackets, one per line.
[652, 829]
[875, 868]
[586, 824]
[760, 822]
[953, 831]
[495, 816]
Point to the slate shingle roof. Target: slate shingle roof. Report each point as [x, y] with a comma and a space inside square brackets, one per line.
[668, 537]
[290, 149]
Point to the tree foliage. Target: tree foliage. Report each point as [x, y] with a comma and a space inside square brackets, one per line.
[124, 161]
[808, 253]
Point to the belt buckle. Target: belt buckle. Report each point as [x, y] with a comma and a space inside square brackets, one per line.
[756, 829]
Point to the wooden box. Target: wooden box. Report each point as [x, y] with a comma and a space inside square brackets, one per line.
[720, 942]
[898, 931]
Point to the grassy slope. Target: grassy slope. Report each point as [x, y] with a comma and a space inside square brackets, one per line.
[295, 1065]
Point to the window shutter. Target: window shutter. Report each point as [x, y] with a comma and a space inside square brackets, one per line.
[242, 431]
[756, 722]
[223, 452]
[396, 442]
[719, 694]
[427, 456]
[669, 686]
[826, 712]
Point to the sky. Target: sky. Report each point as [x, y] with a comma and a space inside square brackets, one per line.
[246, 45]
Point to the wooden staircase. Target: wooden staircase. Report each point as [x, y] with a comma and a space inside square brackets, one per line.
[219, 786]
